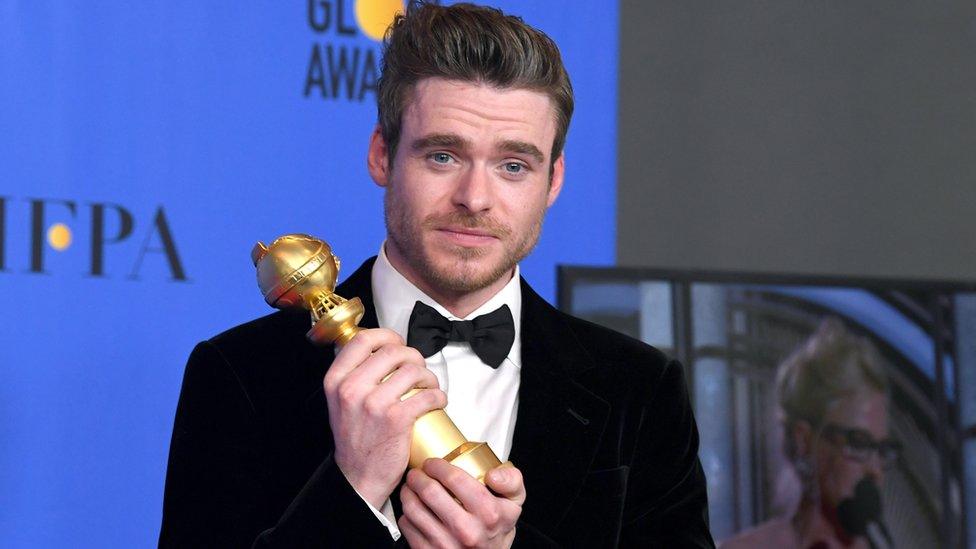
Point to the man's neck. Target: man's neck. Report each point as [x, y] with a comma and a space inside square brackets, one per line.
[460, 304]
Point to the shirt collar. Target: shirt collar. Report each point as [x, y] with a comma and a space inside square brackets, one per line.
[394, 297]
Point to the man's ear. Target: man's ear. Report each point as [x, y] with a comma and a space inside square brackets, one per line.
[556, 181]
[378, 158]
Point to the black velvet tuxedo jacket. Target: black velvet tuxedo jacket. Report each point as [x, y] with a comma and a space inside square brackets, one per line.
[604, 437]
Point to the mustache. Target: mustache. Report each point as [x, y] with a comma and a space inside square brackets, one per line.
[481, 222]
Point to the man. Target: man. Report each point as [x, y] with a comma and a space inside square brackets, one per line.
[279, 443]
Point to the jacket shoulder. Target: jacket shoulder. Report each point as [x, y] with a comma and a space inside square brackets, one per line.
[624, 371]
[274, 332]
[609, 349]
[271, 356]
[611, 343]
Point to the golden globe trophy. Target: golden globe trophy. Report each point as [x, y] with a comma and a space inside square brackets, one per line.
[300, 271]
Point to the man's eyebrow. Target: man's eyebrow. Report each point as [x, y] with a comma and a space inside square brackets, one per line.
[439, 140]
[523, 147]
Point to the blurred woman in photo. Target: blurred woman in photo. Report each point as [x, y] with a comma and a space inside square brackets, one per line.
[832, 396]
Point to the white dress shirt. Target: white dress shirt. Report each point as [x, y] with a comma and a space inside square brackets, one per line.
[481, 400]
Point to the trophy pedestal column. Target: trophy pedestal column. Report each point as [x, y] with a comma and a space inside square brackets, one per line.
[475, 458]
[436, 436]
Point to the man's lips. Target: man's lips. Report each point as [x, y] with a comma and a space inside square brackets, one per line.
[468, 231]
[466, 235]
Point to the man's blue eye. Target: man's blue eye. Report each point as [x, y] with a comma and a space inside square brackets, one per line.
[513, 167]
[441, 158]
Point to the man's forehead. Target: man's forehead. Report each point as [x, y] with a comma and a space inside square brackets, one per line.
[478, 101]
[435, 85]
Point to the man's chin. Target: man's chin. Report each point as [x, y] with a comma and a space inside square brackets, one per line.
[467, 274]
[474, 259]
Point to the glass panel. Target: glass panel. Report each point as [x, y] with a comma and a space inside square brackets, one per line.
[611, 304]
[965, 319]
[713, 402]
[656, 318]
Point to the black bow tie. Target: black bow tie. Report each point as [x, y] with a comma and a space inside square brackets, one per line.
[490, 335]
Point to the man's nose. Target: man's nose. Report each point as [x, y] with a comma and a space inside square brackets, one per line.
[473, 190]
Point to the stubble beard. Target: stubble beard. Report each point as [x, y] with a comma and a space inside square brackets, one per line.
[465, 274]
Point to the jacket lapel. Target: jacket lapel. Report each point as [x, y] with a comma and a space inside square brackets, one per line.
[360, 284]
[559, 423]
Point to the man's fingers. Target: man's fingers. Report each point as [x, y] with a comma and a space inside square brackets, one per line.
[383, 362]
[406, 377]
[476, 516]
[471, 493]
[423, 401]
[507, 482]
[496, 514]
[434, 495]
[358, 350]
[419, 517]
[414, 537]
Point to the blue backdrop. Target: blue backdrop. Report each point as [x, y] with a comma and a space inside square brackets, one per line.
[144, 148]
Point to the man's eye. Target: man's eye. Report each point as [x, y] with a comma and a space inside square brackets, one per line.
[441, 158]
[514, 168]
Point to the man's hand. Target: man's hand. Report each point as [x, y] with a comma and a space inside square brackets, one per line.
[443, 506]
[370, 423]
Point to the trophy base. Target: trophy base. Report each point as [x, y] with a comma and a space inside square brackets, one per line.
[475, 458]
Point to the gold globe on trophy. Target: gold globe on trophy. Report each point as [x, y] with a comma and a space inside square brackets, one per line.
[300, 271]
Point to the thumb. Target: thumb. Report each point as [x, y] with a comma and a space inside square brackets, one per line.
[506, 481]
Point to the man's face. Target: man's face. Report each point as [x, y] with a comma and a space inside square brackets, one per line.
[470, 183]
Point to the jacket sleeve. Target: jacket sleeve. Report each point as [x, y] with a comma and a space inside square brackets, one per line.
[666, 504]
[217, 479]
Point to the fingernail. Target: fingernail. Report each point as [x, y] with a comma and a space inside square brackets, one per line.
[498, 475]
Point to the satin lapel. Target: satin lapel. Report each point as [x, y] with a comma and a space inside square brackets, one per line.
[559, 422]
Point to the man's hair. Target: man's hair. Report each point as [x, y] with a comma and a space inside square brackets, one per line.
[472, 44]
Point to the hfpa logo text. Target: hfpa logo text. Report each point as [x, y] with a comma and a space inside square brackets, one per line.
[49, 227]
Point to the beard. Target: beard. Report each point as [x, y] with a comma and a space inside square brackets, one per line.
[465, 269]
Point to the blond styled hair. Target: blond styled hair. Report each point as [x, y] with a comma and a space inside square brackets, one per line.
[831, 365]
